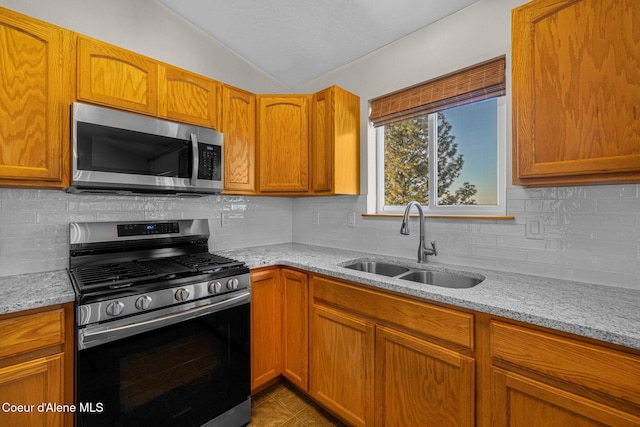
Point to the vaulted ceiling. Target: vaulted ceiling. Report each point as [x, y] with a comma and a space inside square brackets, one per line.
[295, 41]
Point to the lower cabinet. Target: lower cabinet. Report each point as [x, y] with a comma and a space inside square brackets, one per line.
[374, 358]
[279, 327]
[295, 327]
[342, 364]
[370, 370]
[36, 367]
[266, 324]
[417, 381]
[542, 379]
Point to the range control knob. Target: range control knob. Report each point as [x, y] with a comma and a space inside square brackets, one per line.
[115, 308]
[232, 284]
[182, 294]
[215, 287]
[144, 302]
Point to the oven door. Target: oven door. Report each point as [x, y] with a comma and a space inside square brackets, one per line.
[190, 372]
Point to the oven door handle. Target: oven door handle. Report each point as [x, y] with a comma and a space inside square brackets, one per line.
[103, 333]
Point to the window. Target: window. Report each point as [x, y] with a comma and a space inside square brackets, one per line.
[449, 155]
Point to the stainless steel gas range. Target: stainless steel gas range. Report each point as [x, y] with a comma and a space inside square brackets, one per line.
[162, 326]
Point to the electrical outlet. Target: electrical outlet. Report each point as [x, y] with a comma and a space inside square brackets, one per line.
[315, 218]
[226, 220]
[535, 228]
[351, 219]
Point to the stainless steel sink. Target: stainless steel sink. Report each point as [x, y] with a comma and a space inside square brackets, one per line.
[381, 268]
[429, 277]
[439, 278]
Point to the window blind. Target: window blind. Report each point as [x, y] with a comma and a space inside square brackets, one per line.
[481, 81]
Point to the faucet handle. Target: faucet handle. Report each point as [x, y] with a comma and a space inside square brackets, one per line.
[433, 250]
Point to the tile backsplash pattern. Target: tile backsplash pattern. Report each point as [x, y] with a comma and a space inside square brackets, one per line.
[591, 233]
[34, 224]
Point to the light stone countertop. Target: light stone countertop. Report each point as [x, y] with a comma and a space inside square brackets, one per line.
[601, 312]
[34, 290]
[604, 313]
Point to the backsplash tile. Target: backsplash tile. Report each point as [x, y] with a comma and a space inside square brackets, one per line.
[34, 224]
[591, 233]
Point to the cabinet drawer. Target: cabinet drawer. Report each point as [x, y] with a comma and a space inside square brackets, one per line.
[31, 331]
[424, 319]
[598, 368]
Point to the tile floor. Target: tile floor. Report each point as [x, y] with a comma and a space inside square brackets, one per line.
[282, 405]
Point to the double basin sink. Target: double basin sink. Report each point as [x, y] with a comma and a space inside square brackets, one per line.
[426, 276]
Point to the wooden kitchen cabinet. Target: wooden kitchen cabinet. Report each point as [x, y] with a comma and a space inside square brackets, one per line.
[187, 97]
[239, 128]
[279, 327]
[283, 143]
[34, 102]
[266, 327]
[115, 77]
[342, 364]
[416, 356]
[543, 379]
[335, 143]
[417, 380]
[295, 327]
[576, 90]
[36, 365]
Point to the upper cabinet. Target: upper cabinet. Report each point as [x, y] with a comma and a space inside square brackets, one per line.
[187, 97]
[115, 77]
[576, 91]
[239, 128]
[309, 144]
[283, 143]
[34, 101]
[335, 144]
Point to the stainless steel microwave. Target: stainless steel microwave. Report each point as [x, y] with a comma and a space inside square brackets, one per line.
[124, 153]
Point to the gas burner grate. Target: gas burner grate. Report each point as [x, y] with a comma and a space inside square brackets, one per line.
[207, 262]
[112, 275]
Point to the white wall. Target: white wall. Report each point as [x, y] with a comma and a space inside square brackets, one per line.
[34, 224]
[592, 233]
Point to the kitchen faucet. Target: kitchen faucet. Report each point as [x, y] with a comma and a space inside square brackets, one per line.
[423, 251]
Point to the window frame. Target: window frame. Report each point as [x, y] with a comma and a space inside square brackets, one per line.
[433, 209]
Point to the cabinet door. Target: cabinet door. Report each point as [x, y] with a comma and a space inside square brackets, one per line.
[116, 77]
[322, 143]
[239, 128]
[576, 88]
[283, 143]
[523, 402]
[420, 383]
[32, 383]
[342, 364]
[34, 97]
[335, 145]
[266, 325]
[187, 97]
[295, 327]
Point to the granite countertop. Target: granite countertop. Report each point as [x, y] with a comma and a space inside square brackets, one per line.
[604, 313]
[600, 312]
[35, 290]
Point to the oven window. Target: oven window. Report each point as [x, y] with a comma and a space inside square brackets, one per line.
[107, 149]
[181, 375]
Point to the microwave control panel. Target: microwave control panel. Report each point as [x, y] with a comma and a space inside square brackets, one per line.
[210, 162]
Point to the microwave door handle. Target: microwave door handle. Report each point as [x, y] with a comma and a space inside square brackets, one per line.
[195, 159]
